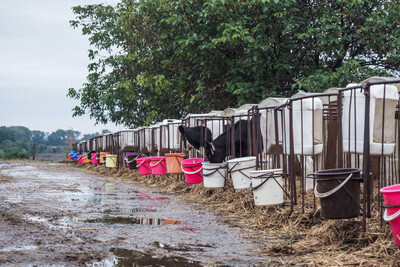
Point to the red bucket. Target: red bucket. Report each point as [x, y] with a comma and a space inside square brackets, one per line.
[391, 196]
[192, 169]
[143, 165]
[94, 158]
[158, 165]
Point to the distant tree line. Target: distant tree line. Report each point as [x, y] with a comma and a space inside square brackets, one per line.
[16, 142]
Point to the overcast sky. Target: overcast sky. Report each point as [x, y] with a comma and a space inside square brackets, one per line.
[41, 56]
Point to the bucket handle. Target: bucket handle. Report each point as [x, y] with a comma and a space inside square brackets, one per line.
[389, 218]
[191, 172]
[262, 183]
[151, 165]
[212, 172]
[141, 163]
[334, 190]
[130, 161]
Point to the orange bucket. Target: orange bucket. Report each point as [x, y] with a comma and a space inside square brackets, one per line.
[174, 163]
[85, 159]
[103, 157]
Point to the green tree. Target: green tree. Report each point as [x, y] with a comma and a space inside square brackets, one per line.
[5, 134]
[57, 138]
[154, 59]
[39, 137]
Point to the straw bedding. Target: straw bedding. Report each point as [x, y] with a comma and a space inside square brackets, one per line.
[291, 238]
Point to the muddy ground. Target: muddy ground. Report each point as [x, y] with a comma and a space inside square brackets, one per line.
[47, 220]
[55, 214]
[289, 238]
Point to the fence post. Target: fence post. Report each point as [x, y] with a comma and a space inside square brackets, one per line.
[34, 152]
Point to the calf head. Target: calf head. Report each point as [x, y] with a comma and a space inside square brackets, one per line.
[194, 136]
[214, 154]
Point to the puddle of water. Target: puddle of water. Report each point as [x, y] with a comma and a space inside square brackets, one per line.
[128, 257]
[128, 211]
[181, 247]
[19, 248]
[132, 220]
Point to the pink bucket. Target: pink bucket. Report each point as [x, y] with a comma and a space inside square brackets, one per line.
[94, 158]
[143, 165]
[192, 169]
[391, 196]
[158, 165]
[80, 159]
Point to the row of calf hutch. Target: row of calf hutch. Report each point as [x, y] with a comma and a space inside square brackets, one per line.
[343, 143]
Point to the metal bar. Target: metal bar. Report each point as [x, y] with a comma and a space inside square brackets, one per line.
[366, 159]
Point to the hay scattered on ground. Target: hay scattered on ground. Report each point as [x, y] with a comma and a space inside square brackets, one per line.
[291, 237]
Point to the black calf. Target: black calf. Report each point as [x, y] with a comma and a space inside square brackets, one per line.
[195, 136]
[216, 150]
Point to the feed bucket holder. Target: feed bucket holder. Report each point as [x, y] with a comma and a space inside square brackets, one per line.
[240, 171]
[391, 196]
[95, 159]
[192, 169]
[339, 192]
[158, 165]
[267, 187]
[214, 174]
[111, 161]
[174, 163]
[143, 165]
[130, 159]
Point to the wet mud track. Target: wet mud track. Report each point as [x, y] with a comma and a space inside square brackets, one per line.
[52, 214]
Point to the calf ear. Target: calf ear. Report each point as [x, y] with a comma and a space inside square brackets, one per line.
[181, 129]
[210, 145]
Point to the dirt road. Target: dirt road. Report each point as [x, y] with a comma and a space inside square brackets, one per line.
[52, 214]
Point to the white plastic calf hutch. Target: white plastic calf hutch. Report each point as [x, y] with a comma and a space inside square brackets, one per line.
[215, 126]
[127, 139]
[353, 119]
[171, 134]
[307, 127]
[228, 112]
[267, 121]
[156, 136]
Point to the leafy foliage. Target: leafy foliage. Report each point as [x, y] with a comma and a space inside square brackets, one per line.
[17, 155]
[154, 59]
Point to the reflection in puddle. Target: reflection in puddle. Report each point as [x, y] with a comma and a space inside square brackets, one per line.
[181, 247]
[132, 220]
[135, 210]
[127, 257]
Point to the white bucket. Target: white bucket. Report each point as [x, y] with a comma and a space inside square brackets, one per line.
[214, 174]
[240, 171]
[267, 187]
